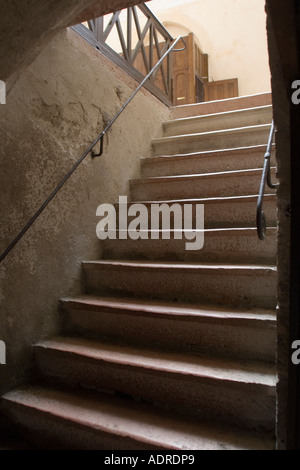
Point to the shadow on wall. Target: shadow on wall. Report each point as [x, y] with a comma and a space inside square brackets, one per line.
[48, 121]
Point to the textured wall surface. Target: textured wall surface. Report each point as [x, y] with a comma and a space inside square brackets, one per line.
[54, 112]
[26, 26]
[281, 110]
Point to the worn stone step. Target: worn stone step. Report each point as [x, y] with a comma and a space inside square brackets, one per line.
[226, 183]
[214, 140]
[220, 106]
[198, 329]
[205, 162]
[236, 245]
[219, 121]
[64, 419]
[232, 391]
[219, 212]
[226, 284]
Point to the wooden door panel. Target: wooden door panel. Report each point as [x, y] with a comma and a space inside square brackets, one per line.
[221, 89]
[181, 88]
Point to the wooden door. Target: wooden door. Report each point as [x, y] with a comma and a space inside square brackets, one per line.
[221, 89]
[190, 71]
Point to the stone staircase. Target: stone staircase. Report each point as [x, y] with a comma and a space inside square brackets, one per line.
[169, 348]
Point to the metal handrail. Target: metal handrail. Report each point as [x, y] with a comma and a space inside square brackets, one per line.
[87, 151]
[265, 179]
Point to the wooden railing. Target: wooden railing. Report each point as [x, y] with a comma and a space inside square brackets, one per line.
[135, 40]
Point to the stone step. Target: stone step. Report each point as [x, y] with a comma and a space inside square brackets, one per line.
[198, 329]
[219, 121]
[84, 420]
[236, 211]
[226, 284]
[220, 106]
[205, 162]
[221, 184]
[232, 391]
[214, 140]
[236, 245]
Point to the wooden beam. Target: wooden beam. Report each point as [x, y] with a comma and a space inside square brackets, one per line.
[141, 36]
[111, 24]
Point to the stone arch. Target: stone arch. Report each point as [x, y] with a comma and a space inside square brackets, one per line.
[179, 29]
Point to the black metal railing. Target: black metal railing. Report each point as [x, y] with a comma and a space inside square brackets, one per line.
[100, 139]
[265, 179]
[134, 39]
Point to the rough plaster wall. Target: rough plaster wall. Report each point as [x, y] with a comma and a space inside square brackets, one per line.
[26, 26]
[54, 112]
[281, 110]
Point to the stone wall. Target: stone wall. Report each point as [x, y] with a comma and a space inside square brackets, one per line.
[281, 109]
[56, 110]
